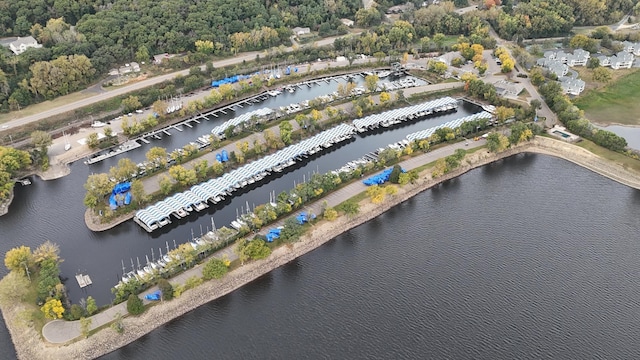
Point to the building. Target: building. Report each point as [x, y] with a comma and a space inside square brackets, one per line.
[347, 22]
[21, 44]
[631, 47]
[158, 59]
[621, 60]
[578, 58]
[554, 66]
[301, 31]
[572, 86]
[399, 9]
[506, 88]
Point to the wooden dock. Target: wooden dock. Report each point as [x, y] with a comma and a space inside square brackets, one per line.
[83, 280]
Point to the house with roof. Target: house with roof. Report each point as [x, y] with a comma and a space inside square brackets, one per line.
[631, 47]
[572, 86]
[21, 44]
[554, 66]
[578, 58]
[507, 88]
[301, 31]
[621, 60]
[347, 22]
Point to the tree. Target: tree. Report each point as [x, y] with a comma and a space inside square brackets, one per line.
[285, 132]
[92, 141]
[204, 46]
[138, 192]
[350, 207]
[504, 113]
[85, 326]
[584, 42]
[166, 185]
[97, 186]
[439, 39]
[19, 259]
[376, 193]
[437, 67]
[183, 176]
[593, 62]
[142, 55]
[131, 103]
[214, 269]
[602, 75]
[91, 306]
[157, 156]
[166, 288]
[535, 104]
[53, 309]
[497, 142]
[46, 251]
[41, 140]
[384, 97]
[395, 174]
[135, 305]
[125, 170]
[330, 214]
[371, 82]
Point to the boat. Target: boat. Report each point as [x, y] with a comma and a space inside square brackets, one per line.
[67, 145]
[98, 124]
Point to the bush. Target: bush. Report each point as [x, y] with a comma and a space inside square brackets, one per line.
[166, 288]
[76, 312]
[214, 269]
[135, 305]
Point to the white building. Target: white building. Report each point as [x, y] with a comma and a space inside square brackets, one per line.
[347, 22]
[631, 47]
[21, 44]
[578, 58]
[572, 86]
[301, 31]
[554, 66]
[621, 60]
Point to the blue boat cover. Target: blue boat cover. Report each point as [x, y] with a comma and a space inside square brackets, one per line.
[155, 296]
[225, 156]
[379, 179]
[127, 198]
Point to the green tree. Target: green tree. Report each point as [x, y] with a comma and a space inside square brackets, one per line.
[142, 55]
[97, 186]
[92, 141]
[350, 207]
[92, 307]
[395, 174]
[41, 140]
[131, 103]
[593, 62]
[166, 288]
[138, 192]
[285, 132]
[497, 142]
[601, 74]
[135, 305]
[85, 326]
[214, 269]
[166, 185]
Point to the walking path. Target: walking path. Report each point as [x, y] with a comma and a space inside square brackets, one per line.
[152, 183]
[60, 331]
[249, 56]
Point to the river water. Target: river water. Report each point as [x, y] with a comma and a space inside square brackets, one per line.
[529, 258]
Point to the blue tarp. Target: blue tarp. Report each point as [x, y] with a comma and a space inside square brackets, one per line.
[155, 296]
[127, 198]
[229, 80]
[225, 156]
[219, 157]
[379, 178]
[303, 217]
[121, 188]
[273, 234]
[113, 204]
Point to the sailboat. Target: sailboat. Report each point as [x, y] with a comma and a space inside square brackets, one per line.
[67, 145]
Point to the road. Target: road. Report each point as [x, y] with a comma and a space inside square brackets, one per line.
[544, 111]
[249, 56]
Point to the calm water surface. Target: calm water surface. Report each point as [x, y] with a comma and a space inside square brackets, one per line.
[529, 258]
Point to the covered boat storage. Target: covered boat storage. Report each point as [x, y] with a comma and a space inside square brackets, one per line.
[214, 190]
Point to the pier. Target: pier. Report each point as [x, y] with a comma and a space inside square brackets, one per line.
[129, 145]
[83, 280]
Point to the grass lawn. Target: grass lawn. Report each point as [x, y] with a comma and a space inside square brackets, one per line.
[616, 103]
[627, 162]
[44, 106]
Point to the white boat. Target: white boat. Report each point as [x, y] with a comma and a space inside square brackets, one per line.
[383, 74]
[98, 124]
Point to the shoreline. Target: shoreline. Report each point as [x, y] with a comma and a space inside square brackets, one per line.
[29, 345]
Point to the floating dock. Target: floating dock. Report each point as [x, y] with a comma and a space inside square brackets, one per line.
[83, 280]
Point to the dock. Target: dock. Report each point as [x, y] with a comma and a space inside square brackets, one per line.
[83, 280]
[129, 145]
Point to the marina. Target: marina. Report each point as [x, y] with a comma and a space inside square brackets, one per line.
[83, 280]
[396, 116]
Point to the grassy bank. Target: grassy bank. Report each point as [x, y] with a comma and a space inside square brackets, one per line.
[614, 104]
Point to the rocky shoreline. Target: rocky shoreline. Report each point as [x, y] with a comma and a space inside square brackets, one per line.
[30, 346]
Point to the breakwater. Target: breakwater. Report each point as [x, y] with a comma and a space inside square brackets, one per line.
[107, 340]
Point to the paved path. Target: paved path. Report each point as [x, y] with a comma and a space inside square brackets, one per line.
[249, 56]
[60, 331]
